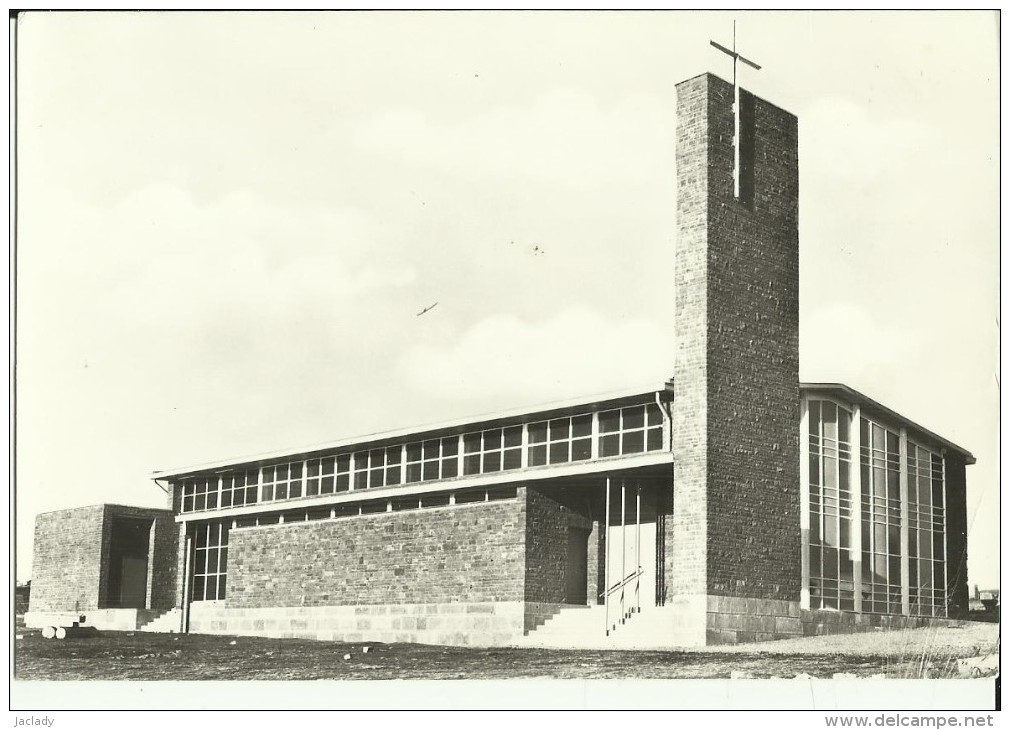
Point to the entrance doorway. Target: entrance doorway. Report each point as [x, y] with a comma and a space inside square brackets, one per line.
[575, 574]
[630, 547]
[129, 542]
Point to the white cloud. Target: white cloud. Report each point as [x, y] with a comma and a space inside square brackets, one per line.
[564, 137]
[843, 343]
[169, 260]
[575, 352]
[839, 138]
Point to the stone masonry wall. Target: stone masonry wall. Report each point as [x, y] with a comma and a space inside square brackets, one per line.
[464, 553]
[735, 522]
[753, 357]
[67, 560]
[549, 515]
[163, 557]
[686, 542]
[70, 570]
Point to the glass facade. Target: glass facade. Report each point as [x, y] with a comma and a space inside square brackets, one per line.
[927, 579]
[832, 584]
[860, 563]
[880, 513]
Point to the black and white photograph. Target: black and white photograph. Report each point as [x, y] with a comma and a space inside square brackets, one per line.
[545, 349]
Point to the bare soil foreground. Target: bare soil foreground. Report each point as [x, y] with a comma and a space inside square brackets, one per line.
[139, 656]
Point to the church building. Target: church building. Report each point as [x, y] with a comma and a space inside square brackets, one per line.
[730, 503]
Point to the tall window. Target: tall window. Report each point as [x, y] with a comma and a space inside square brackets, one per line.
[880, 512]
[210, 560]
[631, 430]
[560, 440]
[926, 578]
[433, 459]
[831, 577]
[497, 449]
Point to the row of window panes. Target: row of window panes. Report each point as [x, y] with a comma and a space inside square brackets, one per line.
[631, 430]
[493, 450]
[561, 440]
[432, 459]
[623, 431]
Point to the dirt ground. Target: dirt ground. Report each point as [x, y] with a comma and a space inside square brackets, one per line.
[143, 656]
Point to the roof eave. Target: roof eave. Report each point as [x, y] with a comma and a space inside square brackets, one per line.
[855, 395]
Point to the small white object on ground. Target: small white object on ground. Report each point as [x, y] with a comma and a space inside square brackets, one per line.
[346, 657]
[364, 650]
[232, 643]
[48, 632]
[61, 633]
[978, 666]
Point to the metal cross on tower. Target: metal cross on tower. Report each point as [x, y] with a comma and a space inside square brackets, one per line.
[736, 107]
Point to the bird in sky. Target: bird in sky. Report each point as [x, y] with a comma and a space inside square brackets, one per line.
[427, 309]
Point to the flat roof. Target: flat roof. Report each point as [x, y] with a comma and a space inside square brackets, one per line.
[851, 394]
[488, 418]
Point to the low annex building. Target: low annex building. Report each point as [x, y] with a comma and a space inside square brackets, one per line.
[730, 503]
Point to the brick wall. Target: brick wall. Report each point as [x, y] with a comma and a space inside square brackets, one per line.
[67, 560]
[735, 525]
[753, 351]
[465, 553]
[957, 538]
[548, 519]
[163, 559]
[686, 541]
[595, 563]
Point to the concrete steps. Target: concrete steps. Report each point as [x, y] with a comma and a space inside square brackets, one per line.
[163, 622]
[582, 627]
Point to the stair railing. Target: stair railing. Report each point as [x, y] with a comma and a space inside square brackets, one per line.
[626, 613]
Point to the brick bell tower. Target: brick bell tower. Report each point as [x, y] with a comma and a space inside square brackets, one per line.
[733, 553]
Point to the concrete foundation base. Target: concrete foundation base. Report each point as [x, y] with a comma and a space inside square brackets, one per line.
[103, 619]
[452, 624]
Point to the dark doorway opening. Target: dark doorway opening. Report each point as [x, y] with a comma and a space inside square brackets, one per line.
[128, 556]
[575, 575]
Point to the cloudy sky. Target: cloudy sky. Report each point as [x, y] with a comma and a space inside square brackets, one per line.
[227, 224]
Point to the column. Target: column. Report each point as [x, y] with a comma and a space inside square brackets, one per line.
[804, 504]
[856, 521]
[903, 486]
[946, 572]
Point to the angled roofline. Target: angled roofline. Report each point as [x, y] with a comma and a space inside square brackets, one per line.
[510, 414]
[855, 395]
